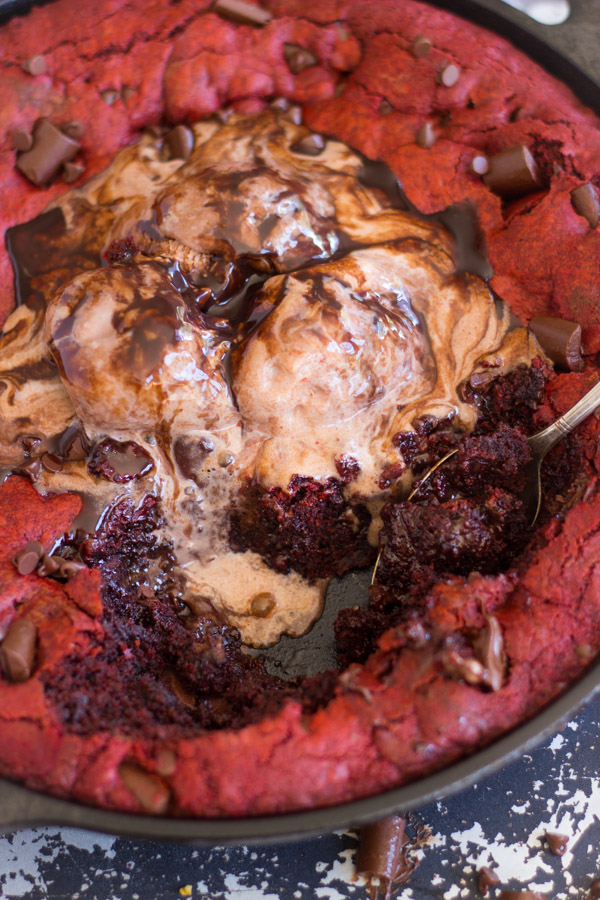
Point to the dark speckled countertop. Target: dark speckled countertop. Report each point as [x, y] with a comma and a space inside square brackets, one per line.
[499, 822]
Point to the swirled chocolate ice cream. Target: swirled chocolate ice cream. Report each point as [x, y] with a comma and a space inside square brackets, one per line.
[253, 322]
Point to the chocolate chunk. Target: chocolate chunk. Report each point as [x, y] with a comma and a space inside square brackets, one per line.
[74, 129]
[225, 459]
[70, 567]
[149, 790]
[595, 888]
[262, 604]
[486, 877]
[426, 136]
[557, 842]
[51, 462]
[72, 171]
[180, 141]
[240, 11]
[513, 173]
[385, 108]
[21, 139]
[166, 762]
[381, 850]
[73, 443]
[28, 558]
[449, 75]
[480, 165]
[17, 652]
[585, 203]
[293, 115]
[560, 340]
[280, 104]
[522, 895]
[35, 65]
[119, 461]
[311, 145]
[32, 469]
[50, 151]
[109, 97]
[298, 58]
[49, 565]
[421, 46]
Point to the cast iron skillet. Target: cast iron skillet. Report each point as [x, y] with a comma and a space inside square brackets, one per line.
[569, 51]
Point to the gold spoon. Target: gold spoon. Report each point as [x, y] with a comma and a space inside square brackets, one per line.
[540, 444]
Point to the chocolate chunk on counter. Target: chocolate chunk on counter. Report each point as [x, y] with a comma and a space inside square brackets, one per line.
[426, 136]
[180, 142]
[35, 65]
[513, 173]
[421, 46]
[585, 203]
[557, 843]
[50, 151]
[27, 559]
[148, 789]
[449, 75]
[298, 58]
[486, 878]
[381, 851]
[21, 139]
[560, 340]
[17, 652]
[311, 145]
[240, 11]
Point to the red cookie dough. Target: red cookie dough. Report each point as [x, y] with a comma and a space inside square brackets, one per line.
[397, 716]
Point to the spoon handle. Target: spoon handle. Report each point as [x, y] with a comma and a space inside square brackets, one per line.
[542, 442]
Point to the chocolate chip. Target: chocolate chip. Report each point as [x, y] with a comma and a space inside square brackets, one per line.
[31, 443]
[480, 165]
[49, 565]
[426, 136]
[513, 173]
[17, 652]
[180, 141]
[109, 97]
[560, 340]
[421, 46]
[180, 692]
[595, 888]
[73, 443]
[74, 129]
[70, 567]
[522, 895]
[50, 151]
[148, 789]
[225, 459]
[293, 115]
[51, 462]
[489, 646]
[27, 559]
[281, 104]
[262, 604]
[449, 75]
[298, 58]
[166, 762]
[32, 469]
[557, 842]
[311, 145]
[585, 203]
[35, 65]
[119, 461]
[240, 11]
[486, 877]
[127, 93]
[381, 850]
[21, 139]
[72, 171]
[385, 108]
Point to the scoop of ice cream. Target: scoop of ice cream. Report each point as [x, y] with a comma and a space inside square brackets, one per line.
[347, 345]
[129, 357]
